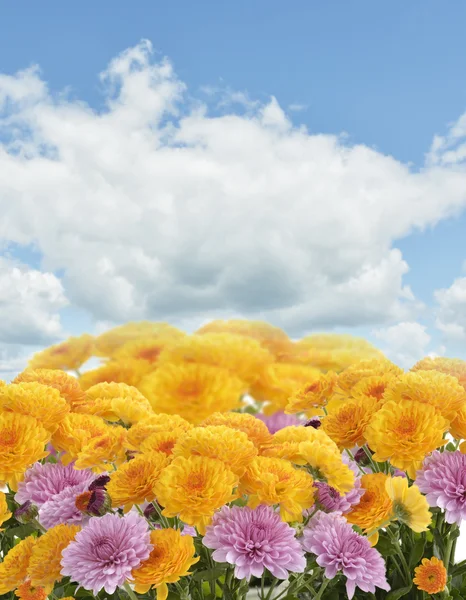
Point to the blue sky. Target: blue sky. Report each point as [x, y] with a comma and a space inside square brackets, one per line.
[391, 76]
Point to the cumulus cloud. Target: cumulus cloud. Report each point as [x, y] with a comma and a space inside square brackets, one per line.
[405, 343]
[451, 310]
[157, 207]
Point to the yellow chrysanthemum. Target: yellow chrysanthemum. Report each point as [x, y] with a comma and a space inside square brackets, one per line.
[66, 384]
[375, 507]
[232, 447]
[128, 371]
[450, 366]
[272, 338]
[100, 453]
[192, 391]
[171, 557]
[286, 443]
[314, 394]
[134, 481]
[356, 372]
[36, 400]
[146, 349]
[279, 382]
[372, 387]
[26, 591]
[115, 402]
[327, 465]
[458, 425]
[194, 488]
[441, 391]
[67, 355]
[409, 505]
[5, 514]
[254, 428]
[44, 565]
[13, 569]
[431, 576]
[162, 441]
[153, 424]
[276, 481]
[244, 357]
[22, 443]
[404, 433]
[346, 422]
[107, 343]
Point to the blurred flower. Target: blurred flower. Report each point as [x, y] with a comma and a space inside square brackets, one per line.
[14, 568]
[278, 420]
[26, 591]
[27, 512]
[107, 343]
[5, 514]
[450, 366]
[145, 349]
[409, 505]
[66, 384]
[254, 428]
[315, 393]
[254, 540]
[67, 355]
[129, 371]
[314, 422]
[358, 371]
[430, 576]
[94, 502]
[105, 552]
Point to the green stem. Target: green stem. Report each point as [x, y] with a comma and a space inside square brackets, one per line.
[374, 465]
[78, 373]
[129, 591]
[271, 589]
[400, 554]
[141, 512]
[163, 519]
[322, 589]
[351, 455]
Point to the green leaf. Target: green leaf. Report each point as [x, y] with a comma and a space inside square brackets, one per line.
[458, 569]
[385, 546]
[417, 552]
[208, 574]
[399, 593]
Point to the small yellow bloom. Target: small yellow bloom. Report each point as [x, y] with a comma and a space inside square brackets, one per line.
[409, 505]
[314, 394]
[171, 558]
[276, 481]
[67, 355]
[375, 506]
[5, 514]
[134, 481]
[155, 423]
[327, 465]
[26, 591]
[13, 569]
[346, 422]
[254, 428]
[66, 384]
[194, 488]
[44, 565]
[430, 576]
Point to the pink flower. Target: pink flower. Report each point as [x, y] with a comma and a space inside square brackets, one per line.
[339, 548]
[104, 553]
[254, 540]
[278, 420]
[61, 508]
[443, 480]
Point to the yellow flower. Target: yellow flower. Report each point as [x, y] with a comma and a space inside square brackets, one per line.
[36, 400]
[162, 441]
[450, 366]
[147, 349]
[346, 422]
[194, 488]
[314, 394]
[5, 514]
[13, 569]
[327, 465]
[221, 442]
[28, 592]
[286, 443]
[128, 371]
[409, 505]
[276, 481]
[375, 507]
[372, 387]
[458, 425]
[171, 558]
[44, 564]
[108, 343]
[254, 428]
[192, 391]
[441, 391]
[67, 355]
[22, 443]
[153, 424]
[66, 384]
[430, 576]
[243, 357]
[115, 402]
[103, 451]
[134, 481]
[356, 372]
[404, 433]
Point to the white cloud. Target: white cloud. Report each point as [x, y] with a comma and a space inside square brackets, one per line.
[154, 208]
[405, 343]
[451, 310]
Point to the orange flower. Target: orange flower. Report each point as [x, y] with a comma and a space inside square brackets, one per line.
[254, 428]
[28, 592]
[314, 394]
[430, 576]
[375, 506]
[68, 355]
[13, 569]
[146, 349]
[458, 425]
[372, 387]
[346, 421]
[66, 384]
[162, 441]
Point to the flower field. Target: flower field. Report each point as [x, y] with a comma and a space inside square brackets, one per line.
[209, 465]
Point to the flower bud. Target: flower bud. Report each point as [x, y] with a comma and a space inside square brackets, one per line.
[27, 512]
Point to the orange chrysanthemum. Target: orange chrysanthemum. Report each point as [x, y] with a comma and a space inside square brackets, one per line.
[232, 447]
[109, 342]
[26, 591]
[405, 432]
[356, 372]
[147, 349]
[314, 394]
[441, 391]
[458, 425]
[36, 400]
[67, 355]
[450, 366]
[244, 357]
[346, 422]
[194, 488]
[66, 384]
[134, 481]
[431, 576]
[276, 481]
[155, 423]
[254, 428]
[5, 514]
[162, 441]
[13, 569]
[44, 565]
[171, 558]
[375, 506]
[372, 387]
[192, 391]
[22, 443]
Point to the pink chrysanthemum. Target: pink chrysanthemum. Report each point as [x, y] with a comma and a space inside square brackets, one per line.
[278, 421]
[42, 482]
[61, 508]
[331, 500]
[339, 548]
[443, 480]
[104, 553]
[254, 540]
